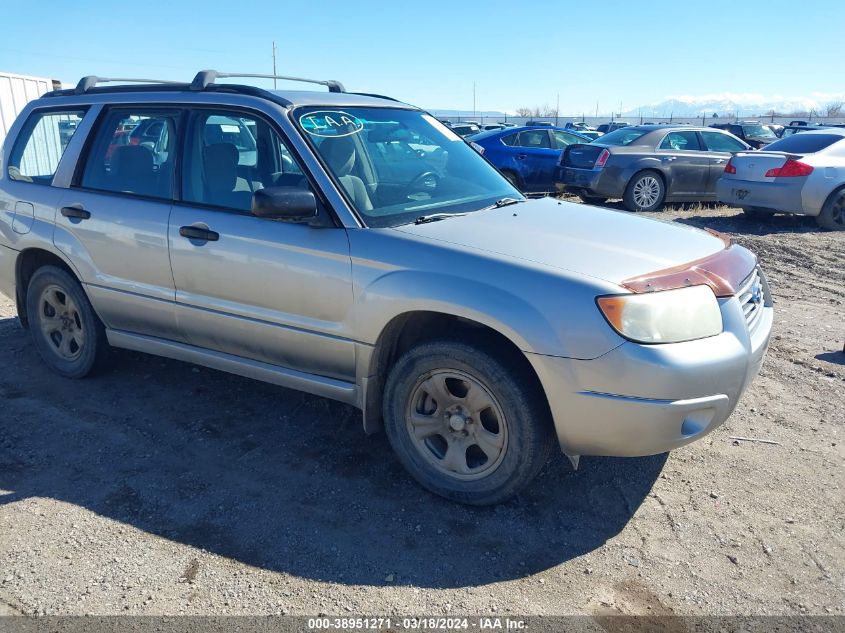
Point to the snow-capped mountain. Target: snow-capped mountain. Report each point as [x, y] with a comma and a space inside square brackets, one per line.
[730, 104]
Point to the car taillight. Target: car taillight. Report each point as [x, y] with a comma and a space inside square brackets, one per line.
[790, 169]
[602, 159]
[729, 168]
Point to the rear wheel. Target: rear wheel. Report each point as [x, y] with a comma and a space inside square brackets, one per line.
[465, 425]
[645, 192]
[66, 331]
[832, 216]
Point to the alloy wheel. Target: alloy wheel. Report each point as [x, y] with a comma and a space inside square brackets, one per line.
[456, 424]
[60, 323]
[646, 191]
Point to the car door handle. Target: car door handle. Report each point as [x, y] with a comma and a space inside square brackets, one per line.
[669, 158]
[76, 212]
[521, 156]
[718, 160]
[198, 233]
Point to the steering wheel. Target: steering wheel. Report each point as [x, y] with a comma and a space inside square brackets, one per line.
[425, 181]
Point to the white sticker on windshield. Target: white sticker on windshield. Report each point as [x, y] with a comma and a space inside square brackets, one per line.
[445, 131]
[331, 123]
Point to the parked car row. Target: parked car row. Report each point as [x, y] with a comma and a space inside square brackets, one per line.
[649, 165]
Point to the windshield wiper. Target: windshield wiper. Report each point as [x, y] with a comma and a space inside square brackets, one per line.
[434, 217]
[504, 202]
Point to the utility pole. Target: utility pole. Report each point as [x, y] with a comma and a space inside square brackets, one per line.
[473, 99]
[274, 64]
[557, 108]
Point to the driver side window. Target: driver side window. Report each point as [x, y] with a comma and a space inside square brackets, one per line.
[230, 156]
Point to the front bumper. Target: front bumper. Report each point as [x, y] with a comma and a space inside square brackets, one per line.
[776, 196]
[647, 399]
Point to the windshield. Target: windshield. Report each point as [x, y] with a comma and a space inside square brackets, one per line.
[758, 131]
[622, 136]
[397, 165]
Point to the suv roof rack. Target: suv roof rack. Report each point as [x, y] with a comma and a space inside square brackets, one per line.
[86, 83]
[205, 78]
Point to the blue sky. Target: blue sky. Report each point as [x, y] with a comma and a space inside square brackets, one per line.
[430, 53]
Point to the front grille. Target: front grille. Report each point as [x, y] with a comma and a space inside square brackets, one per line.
[752, 298]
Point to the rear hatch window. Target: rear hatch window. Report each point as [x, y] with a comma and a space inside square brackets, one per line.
[622, 136]
[804, 143]
[585, 156]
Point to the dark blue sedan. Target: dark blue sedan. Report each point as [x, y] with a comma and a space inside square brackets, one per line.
[527, 156]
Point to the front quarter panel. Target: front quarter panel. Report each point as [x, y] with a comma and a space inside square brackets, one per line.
[541, 310]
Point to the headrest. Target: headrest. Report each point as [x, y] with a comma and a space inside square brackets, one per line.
[220, 162]
[132, 160]
[339, 153]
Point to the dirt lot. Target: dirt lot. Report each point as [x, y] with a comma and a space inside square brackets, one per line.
[161, 488]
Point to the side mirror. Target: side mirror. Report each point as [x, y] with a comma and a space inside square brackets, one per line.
[292, 204]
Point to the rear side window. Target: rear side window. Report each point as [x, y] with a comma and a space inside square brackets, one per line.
[134, 152]
[804, 143]
[40, 145]
[681, 141]
[509, 140]
[535, 138]
[717, 142]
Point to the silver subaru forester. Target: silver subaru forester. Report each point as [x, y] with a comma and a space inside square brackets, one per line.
[354, 247]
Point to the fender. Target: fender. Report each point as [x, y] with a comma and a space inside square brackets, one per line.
[537, 319]
[403, 291]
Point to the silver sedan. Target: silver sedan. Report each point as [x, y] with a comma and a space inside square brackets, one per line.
[803, 174]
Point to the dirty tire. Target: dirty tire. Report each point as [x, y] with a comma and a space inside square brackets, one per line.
[66, 331]
[832, 216]
[466, 379]
[645, 192]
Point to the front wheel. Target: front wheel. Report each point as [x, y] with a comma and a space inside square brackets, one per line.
[645, 192]
[66, 331]
[832, 216]
[464, 424]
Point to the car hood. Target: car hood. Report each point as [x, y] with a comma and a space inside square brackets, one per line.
[586, 240]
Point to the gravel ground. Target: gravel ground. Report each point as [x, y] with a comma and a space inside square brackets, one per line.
[162, 488]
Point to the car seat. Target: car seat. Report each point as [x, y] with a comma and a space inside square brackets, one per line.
[340, 154]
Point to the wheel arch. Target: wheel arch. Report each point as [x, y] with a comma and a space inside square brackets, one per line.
[409, 329]
[656, 167]
[27, 263]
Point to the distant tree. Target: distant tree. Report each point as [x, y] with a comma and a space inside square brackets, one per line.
[834, 108]
[715, 115]
[537, 111]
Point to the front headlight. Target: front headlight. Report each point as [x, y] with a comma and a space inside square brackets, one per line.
[668, 316]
